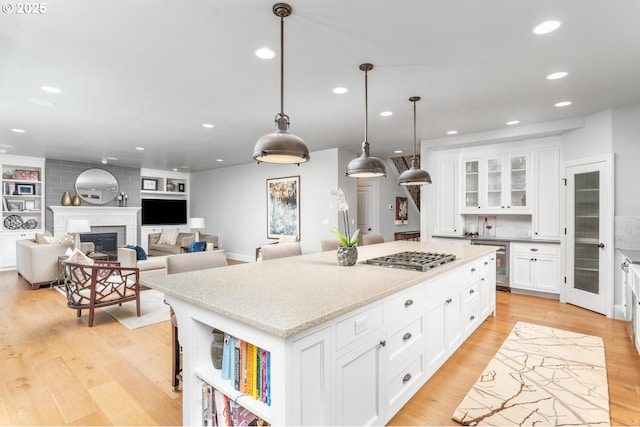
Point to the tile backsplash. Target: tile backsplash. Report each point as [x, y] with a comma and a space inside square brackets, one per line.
[506, 225]
[627, 232]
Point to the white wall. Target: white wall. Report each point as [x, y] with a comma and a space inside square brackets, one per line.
[233, 201]
[389, 190]
[595, 137]
[626, 146]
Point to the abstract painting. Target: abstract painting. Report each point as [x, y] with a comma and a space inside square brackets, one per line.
[283, 207]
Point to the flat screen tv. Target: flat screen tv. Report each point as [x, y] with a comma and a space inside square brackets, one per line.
[164, 211]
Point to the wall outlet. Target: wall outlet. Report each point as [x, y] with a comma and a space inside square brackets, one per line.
[360, 325]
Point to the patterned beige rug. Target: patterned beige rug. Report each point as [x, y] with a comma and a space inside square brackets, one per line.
[541, 376]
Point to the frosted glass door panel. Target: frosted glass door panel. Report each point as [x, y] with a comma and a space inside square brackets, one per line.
[587, 231]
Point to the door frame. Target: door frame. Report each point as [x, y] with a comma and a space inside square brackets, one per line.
[609, 208]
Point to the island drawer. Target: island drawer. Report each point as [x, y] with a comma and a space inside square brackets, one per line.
[405, 307]
[398, 386]
[404, 345]
[358, 326]
[471, 293]
[441, 286]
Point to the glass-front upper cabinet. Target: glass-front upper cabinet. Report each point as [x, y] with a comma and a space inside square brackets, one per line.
[471, 184]
[497, 185]
[518, 182]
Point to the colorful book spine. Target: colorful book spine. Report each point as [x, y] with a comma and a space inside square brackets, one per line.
[258, 387]
[268, 378]
[236, 364]
[251, 369]
[227, 356]
[264, 376]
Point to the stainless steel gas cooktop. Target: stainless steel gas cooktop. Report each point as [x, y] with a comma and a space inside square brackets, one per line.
[419, 261]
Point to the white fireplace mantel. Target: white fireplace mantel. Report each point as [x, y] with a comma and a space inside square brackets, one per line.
[98, 216]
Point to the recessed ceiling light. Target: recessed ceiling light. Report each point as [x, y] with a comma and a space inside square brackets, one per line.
[175, 169]
[562, 104]
[513, 122]
[398, 151]
[50, 89]
[558, 75]
[40, 101]
[207, 125]
[18, 130]
[140, 148]
[386, 113]
[3, 150]
[340, 90]
[452, 132]
[219, 160]
[104, 161]
[265, 53]
[546, 27]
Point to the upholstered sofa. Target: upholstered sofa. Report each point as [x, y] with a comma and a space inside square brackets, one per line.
[38, 263]
[152, 266]
[182, 243]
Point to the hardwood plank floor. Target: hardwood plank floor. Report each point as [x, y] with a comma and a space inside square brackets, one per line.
[57, 371]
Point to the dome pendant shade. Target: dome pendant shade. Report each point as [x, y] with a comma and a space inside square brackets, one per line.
[414, 175]
[281, 146]
[365, 166]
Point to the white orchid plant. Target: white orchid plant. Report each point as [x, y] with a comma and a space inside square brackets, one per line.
[347, 239]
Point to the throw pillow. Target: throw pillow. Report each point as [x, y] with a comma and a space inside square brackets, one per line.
[40, 237]
[140, 253]
[65, 239]
[77, 257]
[168, 237]
[198, 246]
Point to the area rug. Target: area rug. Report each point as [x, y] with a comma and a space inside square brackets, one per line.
[541, 376]
[152, 310]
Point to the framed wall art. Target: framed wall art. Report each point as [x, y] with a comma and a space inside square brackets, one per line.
[402, 210]
[283, 207]
[15, 205]
[149, 184]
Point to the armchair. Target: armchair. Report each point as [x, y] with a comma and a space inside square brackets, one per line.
[103, 283]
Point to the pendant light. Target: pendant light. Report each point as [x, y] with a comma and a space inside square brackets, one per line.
[281, 146]
[414, 176]
[366, 166]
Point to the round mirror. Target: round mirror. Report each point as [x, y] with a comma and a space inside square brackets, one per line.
[97, 186]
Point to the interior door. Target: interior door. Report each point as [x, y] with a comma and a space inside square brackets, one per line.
[367, 197]
[588, 220]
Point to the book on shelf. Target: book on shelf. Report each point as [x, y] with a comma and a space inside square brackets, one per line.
[251, 370]
[227, 357]
[236, 364]
[241, 416]
[209, 416]
[222, 411]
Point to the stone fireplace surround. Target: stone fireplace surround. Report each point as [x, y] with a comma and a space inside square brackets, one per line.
[98, 216]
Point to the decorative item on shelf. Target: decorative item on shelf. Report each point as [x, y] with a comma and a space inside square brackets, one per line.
[348, 249]
[76, 200]
[171, 186]
[7, 175]
[66, 199]
[123, 200]
[181, 187]
[13, 222]
[30, 224]
[217, 345]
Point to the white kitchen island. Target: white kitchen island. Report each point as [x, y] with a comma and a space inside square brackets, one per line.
[348, 345]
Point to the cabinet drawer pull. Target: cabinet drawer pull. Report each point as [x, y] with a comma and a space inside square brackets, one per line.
[471, 291]
[448, 301]
[486, 263]
[473, 269]
[406, 378]
[383, 343]
[406, 336]
[408, 302]
[534, 249]
[472, 317]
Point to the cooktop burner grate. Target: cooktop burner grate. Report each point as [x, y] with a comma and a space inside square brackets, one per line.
[419, 261]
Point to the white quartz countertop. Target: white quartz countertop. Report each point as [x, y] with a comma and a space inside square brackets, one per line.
[288, 295]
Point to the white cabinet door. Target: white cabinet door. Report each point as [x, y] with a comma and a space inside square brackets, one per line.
[546, 193]
[359, 386]
[312, 379]
[444, 329]
[521, 271]
[495, 178]
[545, 274]
[488, 286]
[8, 247]
[471, 185]
[448, 215]
[517, 200]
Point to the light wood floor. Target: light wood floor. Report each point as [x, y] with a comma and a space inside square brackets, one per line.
[57, 371]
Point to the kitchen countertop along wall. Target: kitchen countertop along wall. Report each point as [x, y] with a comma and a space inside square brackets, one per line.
[499, 239]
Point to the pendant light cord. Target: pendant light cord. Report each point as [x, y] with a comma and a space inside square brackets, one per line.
[281, 65]
[366, 107]
[414, 129]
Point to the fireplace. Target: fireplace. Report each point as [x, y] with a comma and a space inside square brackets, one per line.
[106, 243]
[99, 217]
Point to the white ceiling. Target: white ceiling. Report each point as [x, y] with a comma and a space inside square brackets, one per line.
[149, 73]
